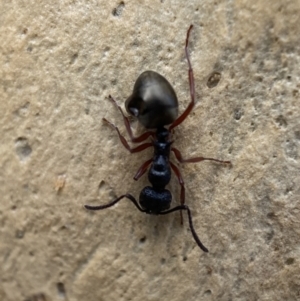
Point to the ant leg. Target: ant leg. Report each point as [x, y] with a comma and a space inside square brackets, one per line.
[128, 196]
[193, 160]
[142, 169]
[125, 143]
[188, 110]
[182, 189]
[142, 137]
[187, 209]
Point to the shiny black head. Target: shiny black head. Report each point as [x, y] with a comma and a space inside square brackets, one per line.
[153, 101]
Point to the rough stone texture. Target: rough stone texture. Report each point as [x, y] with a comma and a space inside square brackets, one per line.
[59, 62]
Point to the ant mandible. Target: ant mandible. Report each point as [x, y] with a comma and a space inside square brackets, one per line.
[155, 105]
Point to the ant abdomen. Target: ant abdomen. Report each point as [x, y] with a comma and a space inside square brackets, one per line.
[155, 201]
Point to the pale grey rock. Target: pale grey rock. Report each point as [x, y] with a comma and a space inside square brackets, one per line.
[59, 62]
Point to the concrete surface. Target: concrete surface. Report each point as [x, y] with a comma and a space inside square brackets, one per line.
[59, 62]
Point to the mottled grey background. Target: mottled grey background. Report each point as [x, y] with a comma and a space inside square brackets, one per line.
[59, 62]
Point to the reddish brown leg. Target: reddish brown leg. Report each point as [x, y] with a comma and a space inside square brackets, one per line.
[142, 169]
[193, 160]
[142, 137]
[188, 110]
[125, 143]
[182, 189]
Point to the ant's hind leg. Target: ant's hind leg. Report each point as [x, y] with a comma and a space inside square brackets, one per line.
[179, 157]
[140, 138]
[128, 196]
[187, 209]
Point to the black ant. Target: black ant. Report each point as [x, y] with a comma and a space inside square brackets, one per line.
[155, 105]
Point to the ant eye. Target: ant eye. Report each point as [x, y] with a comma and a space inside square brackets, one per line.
[134, 111]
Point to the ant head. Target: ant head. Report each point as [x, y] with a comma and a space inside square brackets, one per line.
[153, 101]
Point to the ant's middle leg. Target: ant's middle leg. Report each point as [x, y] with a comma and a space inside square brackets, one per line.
[194, 160]
[140, 138]
[142, 169]
[182, 188]
[124, 141]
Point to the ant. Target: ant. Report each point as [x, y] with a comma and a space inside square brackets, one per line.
[155, 105]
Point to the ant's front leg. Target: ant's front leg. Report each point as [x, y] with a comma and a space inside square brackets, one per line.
[189, 108]
[194, 160]
[133, 139]
[125, 143]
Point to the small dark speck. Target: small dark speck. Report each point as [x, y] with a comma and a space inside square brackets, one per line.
[269, 235]
[117, 12]
[207, 293]
[25, 30]
[23, 149]
[213, 80]
[135, 43]
[289, 261]
[121, 273]
[271, 215]
[106, 50]
[259, 78]
[162, 260]
[288, 189]
[62, 228]
[209, 270]
[184, 258]
[281, 121]
[252, 126]
[101, 185]
[19, 234]
[29, 48]
[143, 239]
[61, 290]
[73, 58]
[238, 113]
